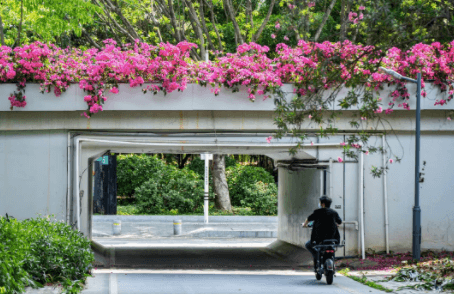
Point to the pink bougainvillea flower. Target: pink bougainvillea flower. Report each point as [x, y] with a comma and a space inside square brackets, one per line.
[362, 7]
[311, 4]
[269, 139]
[339, 159]
[277, 26]
[449, 118]
[391, 160]
[367, 152]
[286, 38]
[273, 36]
[343, 144]
[114, 90]
[312, 143]
[310, 116]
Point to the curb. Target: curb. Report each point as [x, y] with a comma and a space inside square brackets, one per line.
[185, 218]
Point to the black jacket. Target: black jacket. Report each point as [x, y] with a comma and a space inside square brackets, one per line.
[325, 227]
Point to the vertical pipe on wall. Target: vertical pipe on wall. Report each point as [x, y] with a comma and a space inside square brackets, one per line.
[331, 178]
[206, 195]
[77, 184]
[68, 191]
[361, 203]
[343, 193]
[385, 196]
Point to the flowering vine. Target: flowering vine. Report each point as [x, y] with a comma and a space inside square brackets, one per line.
[313, 68]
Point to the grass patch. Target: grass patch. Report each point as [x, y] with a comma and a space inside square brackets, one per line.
[363, 280]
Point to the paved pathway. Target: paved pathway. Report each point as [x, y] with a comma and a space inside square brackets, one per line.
[217, 282]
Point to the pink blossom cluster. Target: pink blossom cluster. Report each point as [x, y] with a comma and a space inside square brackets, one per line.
[17, 102]
[166, 67]
[96, 70]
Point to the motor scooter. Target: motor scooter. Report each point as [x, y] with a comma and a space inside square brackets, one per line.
[326, 257]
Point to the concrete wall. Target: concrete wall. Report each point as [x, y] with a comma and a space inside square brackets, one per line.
[33, 173]
[299, 191]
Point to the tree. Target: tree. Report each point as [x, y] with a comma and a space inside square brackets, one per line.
[46, 21]
[222, 197]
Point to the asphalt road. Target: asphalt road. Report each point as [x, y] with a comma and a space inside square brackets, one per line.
[217, 282]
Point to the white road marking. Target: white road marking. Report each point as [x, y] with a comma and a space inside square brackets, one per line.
[113, 283]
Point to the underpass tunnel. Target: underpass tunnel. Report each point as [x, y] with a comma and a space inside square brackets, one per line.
[92, 147]
[303, 178]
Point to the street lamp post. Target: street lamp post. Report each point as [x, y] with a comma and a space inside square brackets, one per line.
[416, 242]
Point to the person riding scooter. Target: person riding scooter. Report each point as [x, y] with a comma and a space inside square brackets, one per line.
[326, 221]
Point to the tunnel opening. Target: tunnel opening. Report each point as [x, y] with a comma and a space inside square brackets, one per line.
[88, 148]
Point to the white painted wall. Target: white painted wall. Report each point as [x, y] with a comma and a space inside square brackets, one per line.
[33, 174]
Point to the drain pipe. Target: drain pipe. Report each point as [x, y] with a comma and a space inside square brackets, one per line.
[385, 196]
[361, 203]
[77, 163]
[331, 177]
[68, 190]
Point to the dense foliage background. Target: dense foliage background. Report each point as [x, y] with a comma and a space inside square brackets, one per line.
[155, 187]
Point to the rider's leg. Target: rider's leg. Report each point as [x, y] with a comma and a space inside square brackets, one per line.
[313, 251]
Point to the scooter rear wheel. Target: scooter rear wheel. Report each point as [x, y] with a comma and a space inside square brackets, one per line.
[329, 277]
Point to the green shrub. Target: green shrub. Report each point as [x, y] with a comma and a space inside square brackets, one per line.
[38, 251]
[174, 189]
[133, 170]
[242, 177]
[261, 198]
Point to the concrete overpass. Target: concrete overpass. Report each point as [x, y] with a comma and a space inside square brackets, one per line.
[46, 151]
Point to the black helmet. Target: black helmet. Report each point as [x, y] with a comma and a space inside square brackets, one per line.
[326, 200]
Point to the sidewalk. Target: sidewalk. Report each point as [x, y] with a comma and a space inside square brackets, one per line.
[159, 226]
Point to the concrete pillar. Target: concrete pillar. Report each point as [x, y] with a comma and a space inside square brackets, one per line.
[298, 196]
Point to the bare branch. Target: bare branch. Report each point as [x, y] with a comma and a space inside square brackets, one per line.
[196, 26]
[123, 19]
[204, 26]
[173, 21]
[90, 40]
[324, 20]
[2, 38]
[346, 4]
[21, 20]
[228, 7]
[256, 36]
[213, 21]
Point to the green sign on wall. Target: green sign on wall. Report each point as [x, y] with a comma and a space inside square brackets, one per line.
[104, 160]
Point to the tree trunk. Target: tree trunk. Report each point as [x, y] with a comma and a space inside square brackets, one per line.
[346, 4]
[325, 18]
[256, 36]
[221, 189]
[2, 38]
[20, 24]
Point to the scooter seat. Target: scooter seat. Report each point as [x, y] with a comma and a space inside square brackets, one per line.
[329, 242]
